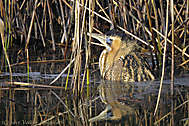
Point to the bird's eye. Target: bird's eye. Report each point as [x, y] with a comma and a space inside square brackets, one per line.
[109, 40]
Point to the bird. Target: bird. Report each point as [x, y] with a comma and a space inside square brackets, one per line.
[121, 60]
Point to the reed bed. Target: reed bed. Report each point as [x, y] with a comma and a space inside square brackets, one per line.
[64, 25]
[162, 27]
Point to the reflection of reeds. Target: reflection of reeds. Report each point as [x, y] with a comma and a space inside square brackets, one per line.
[57, 106]
[66, 23]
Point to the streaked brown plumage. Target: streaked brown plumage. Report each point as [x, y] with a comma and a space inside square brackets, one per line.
[121, 60]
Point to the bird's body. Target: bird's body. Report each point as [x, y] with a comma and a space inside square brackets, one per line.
[121, 60]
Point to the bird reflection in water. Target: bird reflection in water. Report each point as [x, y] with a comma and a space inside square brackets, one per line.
[118, 99]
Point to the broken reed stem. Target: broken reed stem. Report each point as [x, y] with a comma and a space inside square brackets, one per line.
[40, 31]
[68, 66]
[31, 25]
[28, 37]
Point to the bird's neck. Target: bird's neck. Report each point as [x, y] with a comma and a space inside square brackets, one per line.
[107, 58]
[121, 51]
[112, 56]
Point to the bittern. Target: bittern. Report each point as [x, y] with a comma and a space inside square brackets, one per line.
[121, 59]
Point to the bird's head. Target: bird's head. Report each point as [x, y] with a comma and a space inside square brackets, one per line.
[112, 42]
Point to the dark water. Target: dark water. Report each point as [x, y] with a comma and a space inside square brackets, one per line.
[100, 103]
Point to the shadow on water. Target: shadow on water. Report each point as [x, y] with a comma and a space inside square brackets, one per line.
[108, 104]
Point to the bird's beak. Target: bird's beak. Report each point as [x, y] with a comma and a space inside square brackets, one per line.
[101, 38]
